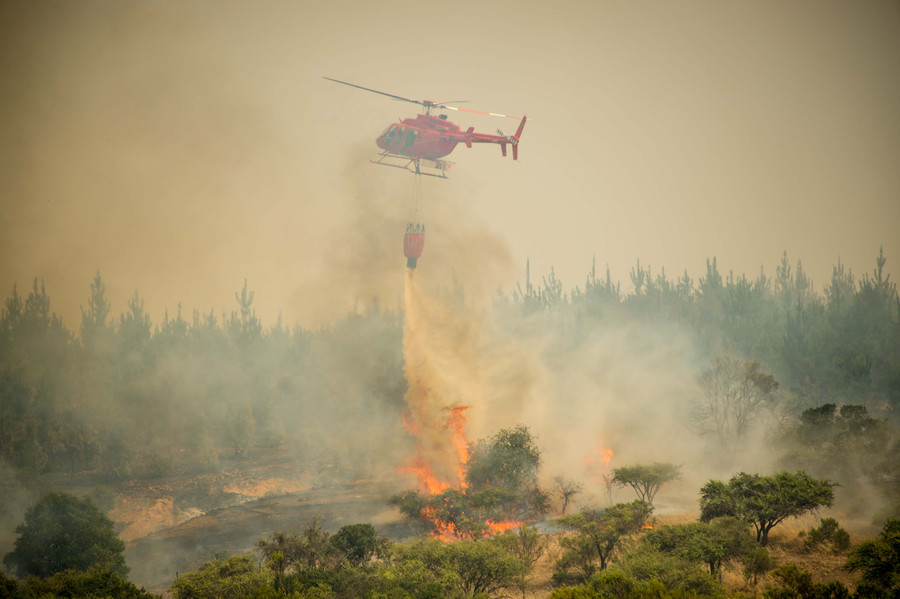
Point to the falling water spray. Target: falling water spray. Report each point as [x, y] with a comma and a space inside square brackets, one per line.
[436, 410]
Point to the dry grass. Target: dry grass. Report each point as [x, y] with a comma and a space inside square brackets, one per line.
[786, 547]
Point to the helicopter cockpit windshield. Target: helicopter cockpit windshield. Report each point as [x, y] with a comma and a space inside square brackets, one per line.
[388, 135]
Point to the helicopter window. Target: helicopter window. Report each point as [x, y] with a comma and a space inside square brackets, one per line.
[410, 138]
[398, 135]
[389, 135]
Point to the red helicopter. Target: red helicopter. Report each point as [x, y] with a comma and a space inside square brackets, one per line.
[426, 139]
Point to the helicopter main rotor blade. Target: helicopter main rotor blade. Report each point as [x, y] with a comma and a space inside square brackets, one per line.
[506, 116]
[375, 91]
[428, 104]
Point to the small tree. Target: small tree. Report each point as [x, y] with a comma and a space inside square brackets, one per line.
[96, 582]
[648, 565]
[566, 489]
[316, 549]
[282, 552]
[246, 327]
[482, 566]
[646, 479]
[470, 567]
[94, 326]
[510, 460]
[764, 501]
[795, 582]
[713, 544]
[64, 532]
[358, 543]
[756, 563]
[526, 546]
[879, 562]
[829, 533]
[734, 391]
[234, 578]
[502, 484]
[599, 533]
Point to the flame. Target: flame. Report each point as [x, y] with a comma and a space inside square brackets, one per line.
[409, 425]
[597, 464]
[428, 482]
[422, 469]
[456, 423]
[501, 527]
[441, 530]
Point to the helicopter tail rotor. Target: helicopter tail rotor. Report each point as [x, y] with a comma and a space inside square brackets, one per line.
[513, 140]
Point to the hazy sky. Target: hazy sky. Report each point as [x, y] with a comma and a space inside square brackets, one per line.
[180, 147]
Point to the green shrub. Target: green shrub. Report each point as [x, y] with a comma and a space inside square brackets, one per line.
[828, 533]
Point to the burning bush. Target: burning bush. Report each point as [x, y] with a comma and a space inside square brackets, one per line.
[498, 492]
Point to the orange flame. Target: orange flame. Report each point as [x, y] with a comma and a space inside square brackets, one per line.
[441, 529]
[428, 482]
[409, 425]
[605, 456]
[417, 465]
[501, 527]
[456, 423]
[597, 464]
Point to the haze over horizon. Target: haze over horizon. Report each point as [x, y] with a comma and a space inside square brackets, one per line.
[179, 148]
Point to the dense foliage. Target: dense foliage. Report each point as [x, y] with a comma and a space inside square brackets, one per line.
[354, 563]
[849, 446]
[879, 562]
[63, 532]
[217, 387]
[615, 584]
[234, 578]
[840, 346]
[764, 501]
[674, 561]
[95, 583]
[712, 544]
[828, 534]
[794, 583]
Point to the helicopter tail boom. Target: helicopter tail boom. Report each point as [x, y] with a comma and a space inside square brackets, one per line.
[469, 137]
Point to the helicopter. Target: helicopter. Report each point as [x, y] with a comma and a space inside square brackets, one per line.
[424, 140]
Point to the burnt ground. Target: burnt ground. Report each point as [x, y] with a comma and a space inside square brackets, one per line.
[157, 558]
[175, 523]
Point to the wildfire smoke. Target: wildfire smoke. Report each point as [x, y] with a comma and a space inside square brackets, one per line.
[441, 374]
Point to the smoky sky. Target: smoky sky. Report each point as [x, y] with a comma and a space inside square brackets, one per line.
[181, 147]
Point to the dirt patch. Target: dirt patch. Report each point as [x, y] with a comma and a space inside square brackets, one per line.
[157, 558]
[145, 507]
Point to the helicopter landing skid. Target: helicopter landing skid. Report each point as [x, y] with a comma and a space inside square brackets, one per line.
[416, 166]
